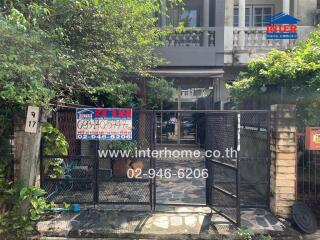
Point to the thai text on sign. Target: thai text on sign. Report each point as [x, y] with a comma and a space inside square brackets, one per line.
[104, 123]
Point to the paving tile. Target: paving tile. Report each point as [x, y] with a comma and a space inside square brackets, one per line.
[261, 221]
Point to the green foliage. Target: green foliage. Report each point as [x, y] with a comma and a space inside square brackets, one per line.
[77, 50]
[66, 205]
[55, 143]
[159, 90]
[268, 237]
[121, 94]
[23, 205]
[26, 55]
[130, 146]
[297, 70]
[245, 234]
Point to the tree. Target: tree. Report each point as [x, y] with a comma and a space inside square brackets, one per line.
[159, 90]
[75, 51]
[104, 41]
[296, 71]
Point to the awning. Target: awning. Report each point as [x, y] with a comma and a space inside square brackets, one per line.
[188, 72]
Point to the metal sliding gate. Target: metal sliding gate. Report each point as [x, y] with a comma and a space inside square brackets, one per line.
[239, 167]
[237, 160]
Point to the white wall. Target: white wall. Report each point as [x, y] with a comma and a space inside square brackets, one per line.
[305, 11]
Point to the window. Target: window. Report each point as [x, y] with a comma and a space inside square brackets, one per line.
[191, 15]
[255, 15]
[260, 14]
[236, 16]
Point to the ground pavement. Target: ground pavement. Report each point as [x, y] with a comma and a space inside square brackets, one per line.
[165, 223]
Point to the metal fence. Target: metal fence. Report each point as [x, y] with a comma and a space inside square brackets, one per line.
[90, 178]
[236, 179]
[308, 175]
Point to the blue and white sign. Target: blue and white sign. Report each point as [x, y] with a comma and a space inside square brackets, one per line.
[104, 123]
[282, 26]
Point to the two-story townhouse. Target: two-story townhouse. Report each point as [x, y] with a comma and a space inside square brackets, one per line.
[221, 37]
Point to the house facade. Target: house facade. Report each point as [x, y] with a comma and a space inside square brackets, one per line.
[220, 37]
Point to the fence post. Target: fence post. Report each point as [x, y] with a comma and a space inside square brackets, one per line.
[283, 159]
[238, 144]
[42, 164]
[95, 174]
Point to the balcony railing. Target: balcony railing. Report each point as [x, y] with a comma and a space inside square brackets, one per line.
[256, 38]
[192, 37]
[194, 93]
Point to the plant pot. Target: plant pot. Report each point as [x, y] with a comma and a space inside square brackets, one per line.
[135, 166]
[120, 167]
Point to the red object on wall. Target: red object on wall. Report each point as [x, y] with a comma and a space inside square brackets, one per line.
[312, 138]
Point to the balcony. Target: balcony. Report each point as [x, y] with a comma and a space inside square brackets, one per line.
[256, 44]
[255, 39]
[201, 43]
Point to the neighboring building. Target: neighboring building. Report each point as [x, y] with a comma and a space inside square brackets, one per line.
[221, 37]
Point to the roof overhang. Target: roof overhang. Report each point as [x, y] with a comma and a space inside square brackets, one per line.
[188, 72]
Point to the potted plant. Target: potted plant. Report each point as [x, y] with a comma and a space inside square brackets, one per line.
[121, 164]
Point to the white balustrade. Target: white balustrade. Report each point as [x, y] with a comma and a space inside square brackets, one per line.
[256, 39]
[191, 37]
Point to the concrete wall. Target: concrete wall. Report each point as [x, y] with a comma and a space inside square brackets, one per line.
[191, 56]
[305, 10]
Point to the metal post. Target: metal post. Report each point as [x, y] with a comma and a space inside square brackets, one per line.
[161, 122]
[238, 124]
[154, 184]
[96, 173]
[179, 115]
[41, 164]
[269, 158]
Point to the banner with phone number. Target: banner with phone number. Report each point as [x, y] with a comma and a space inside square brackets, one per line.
[104, 123]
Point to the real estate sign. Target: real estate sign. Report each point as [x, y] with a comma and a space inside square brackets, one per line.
[312, 138]
[104, 123]
[282, 26]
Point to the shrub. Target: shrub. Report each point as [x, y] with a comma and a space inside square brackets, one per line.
[55, 143]
[21, 207]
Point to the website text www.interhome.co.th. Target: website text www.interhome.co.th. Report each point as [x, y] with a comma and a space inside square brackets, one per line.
[167, 153]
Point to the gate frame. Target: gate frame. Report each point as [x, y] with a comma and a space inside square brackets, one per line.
[237, 168]
[153, 145]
